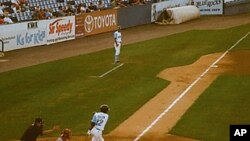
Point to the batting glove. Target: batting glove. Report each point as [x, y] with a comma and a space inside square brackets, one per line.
[89, 132]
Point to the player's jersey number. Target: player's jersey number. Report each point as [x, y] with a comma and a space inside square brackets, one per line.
[99, 122]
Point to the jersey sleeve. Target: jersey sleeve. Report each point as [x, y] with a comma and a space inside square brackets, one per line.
[115, 35]
[94, 119]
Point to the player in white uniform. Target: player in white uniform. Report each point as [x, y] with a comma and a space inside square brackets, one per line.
[98, 123]
[117, 44]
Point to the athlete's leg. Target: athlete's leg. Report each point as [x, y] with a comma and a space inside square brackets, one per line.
[101, 139]
[94, 138]
[97, 135]
[117, 52]
[94, 133]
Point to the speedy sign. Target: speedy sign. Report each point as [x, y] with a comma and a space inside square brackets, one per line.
[61, 29]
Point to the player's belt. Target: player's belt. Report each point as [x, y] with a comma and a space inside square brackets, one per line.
[97, 129]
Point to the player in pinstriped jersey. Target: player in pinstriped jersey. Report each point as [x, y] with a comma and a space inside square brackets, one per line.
[98, 123]
[117, 43]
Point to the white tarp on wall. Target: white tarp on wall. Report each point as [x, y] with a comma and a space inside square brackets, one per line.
[179, 15]
[157, 8]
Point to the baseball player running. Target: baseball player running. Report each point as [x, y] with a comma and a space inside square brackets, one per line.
[117, 44]
[98, 123]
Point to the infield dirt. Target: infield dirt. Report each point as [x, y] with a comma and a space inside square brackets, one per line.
[180, 77]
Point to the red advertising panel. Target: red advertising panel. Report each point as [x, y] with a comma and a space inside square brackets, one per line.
[79, 26]
[100, 21]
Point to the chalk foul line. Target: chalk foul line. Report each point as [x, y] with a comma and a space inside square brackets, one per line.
[187, 90]
[2, 60]
[115, 68]
[109, 71]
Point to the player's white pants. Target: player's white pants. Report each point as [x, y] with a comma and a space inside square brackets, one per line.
[117, 51]
[117, 48]
[97, 134]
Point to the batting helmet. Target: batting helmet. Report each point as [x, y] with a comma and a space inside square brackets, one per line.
[66, 133]
[38, 120]
[104, 108]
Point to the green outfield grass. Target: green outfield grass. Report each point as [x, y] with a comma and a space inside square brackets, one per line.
[63, 92]
[225, 102]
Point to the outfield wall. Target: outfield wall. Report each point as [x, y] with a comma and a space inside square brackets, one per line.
[134, 15]
[44, 32]
[234, 8]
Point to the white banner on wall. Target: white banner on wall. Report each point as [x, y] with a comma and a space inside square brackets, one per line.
[157, 8]
[23, 35]
[60, 29]
[35, 33]
[209, 7]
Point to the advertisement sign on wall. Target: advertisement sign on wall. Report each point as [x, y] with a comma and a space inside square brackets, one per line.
[24, 35]
[210, 7]
[79, 25]
[157, 8]
[100, 21]
[60, 29]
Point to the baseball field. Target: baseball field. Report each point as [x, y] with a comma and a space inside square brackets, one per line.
[67, 90]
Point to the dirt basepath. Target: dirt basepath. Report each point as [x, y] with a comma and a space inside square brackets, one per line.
[180, 77]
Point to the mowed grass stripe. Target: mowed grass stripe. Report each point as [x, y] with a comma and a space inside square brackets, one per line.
[63, 93]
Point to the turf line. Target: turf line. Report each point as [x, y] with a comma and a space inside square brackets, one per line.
[187, 89]
[111, 70]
